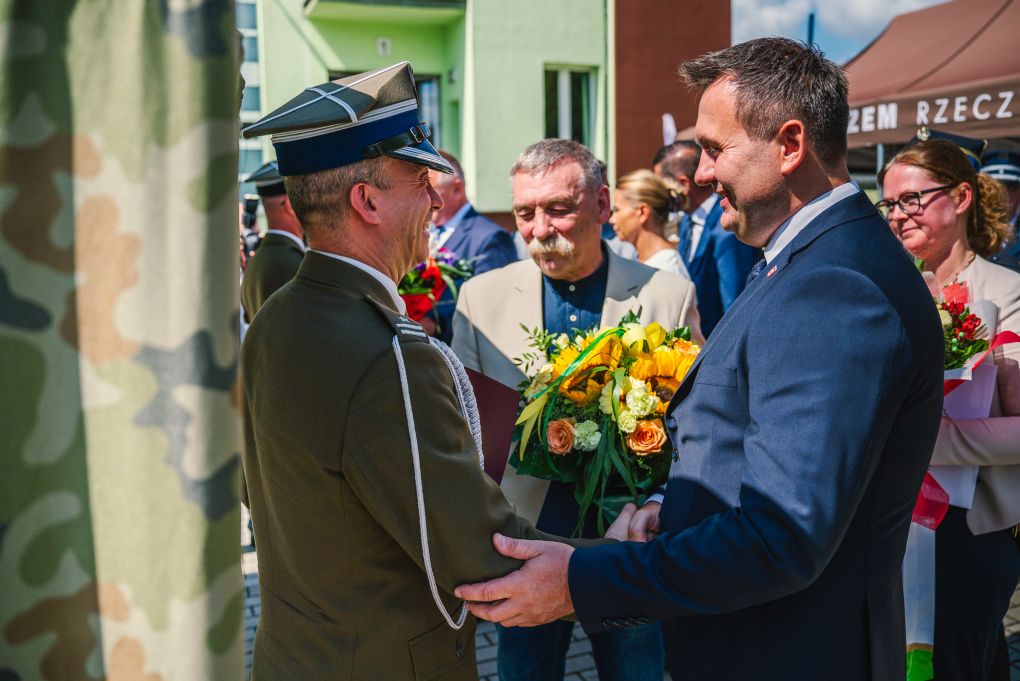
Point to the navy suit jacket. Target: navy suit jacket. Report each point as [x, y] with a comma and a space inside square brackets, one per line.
[803, 432]
[487, 245]
[719, 268]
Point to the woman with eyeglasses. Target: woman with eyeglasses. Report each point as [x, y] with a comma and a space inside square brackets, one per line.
[952, 217]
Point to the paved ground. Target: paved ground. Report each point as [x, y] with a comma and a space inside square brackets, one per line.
[580, 665]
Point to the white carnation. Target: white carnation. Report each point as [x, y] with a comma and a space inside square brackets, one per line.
[627, 421]
[586, 436]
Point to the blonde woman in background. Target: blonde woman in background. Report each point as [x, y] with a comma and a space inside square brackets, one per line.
[642, 204]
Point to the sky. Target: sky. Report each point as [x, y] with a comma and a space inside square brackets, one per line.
[842, 27]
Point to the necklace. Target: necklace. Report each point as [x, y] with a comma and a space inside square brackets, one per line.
[956, 275]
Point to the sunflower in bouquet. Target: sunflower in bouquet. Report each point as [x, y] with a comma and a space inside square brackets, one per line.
[593, 409]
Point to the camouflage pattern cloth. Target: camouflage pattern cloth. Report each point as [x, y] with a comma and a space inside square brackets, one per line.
[119, 426]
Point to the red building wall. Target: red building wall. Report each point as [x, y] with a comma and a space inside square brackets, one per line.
[652, 38]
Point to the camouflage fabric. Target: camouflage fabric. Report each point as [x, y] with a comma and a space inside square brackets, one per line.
[119, 431]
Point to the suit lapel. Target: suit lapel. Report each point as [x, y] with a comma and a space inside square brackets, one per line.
[621, 293]
[525, 307]
[852, 208]
[711, 220]
[457, 241]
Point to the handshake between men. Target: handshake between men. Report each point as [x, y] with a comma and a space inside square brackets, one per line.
[538, 592]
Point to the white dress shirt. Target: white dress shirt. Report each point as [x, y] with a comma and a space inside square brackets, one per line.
[796, 223]
[388, 284]
[440, 234]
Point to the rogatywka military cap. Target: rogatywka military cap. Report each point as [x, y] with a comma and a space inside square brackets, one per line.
[971, 147]
[348, 120]
[1003, 165]
[268, 180]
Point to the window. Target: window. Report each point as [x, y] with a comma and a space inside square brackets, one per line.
[569, 110]
[249, 160]
[429, 109]
[245, 17]
[250, 98]
[251, 48]
[428, 105]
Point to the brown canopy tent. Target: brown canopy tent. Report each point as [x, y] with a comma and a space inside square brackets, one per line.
[953, 67]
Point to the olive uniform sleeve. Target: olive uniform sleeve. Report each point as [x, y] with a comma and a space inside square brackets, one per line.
[463, 506]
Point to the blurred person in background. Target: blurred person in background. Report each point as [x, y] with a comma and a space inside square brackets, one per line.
[642, 203]
[282, 247]
[717, 261]
[462, 230]
[953, 218]
[1004, 167]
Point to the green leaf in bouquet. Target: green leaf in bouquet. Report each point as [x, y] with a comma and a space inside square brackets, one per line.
[622, 470]
[590, 476]
[528, 416]
[610, 505]
[618, 377]
[629, 318]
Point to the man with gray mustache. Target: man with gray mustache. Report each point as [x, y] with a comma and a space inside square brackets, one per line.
[572, 282]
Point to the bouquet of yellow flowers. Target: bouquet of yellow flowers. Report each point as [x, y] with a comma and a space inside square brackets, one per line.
[593, 411]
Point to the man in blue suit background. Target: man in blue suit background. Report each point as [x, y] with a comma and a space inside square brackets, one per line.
[802, 431]
[718, 262]
[462, 230]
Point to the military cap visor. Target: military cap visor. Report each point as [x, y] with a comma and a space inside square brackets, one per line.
[267, 180]
[971, 148]
[349, 120]
[1004, 166]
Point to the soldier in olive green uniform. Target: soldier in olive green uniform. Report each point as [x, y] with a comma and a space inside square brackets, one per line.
[363, 475]
[280, 252]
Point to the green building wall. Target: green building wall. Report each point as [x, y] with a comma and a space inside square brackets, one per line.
[490, 59]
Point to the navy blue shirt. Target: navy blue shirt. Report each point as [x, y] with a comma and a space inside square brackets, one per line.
[566, 306]
[570, 305]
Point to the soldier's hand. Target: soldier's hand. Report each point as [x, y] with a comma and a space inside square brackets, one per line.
[535, 594]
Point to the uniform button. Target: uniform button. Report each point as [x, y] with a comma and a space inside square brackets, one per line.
[671, 423]
[572, 287]
[459, 650]
[573, 317]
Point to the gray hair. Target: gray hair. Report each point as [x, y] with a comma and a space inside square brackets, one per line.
[777, 79]
[540, 157]
[320, 200]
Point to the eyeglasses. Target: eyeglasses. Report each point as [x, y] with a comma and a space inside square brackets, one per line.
[909, 203]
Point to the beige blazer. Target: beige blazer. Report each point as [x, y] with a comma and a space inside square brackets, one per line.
[487, 332]
[992, 443]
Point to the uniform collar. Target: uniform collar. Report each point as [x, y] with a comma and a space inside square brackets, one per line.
[292, 237]
[387, 283]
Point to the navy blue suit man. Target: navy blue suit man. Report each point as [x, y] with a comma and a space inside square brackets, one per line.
[803, 430]
[462, 230]
[716, 260]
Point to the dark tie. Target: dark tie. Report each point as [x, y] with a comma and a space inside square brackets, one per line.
[755, 271]
[686, 227]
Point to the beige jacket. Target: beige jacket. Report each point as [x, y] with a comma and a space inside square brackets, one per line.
[992, 443]
[487, 332]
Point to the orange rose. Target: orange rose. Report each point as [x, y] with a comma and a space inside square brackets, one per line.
[559, 435]
[648, 437]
